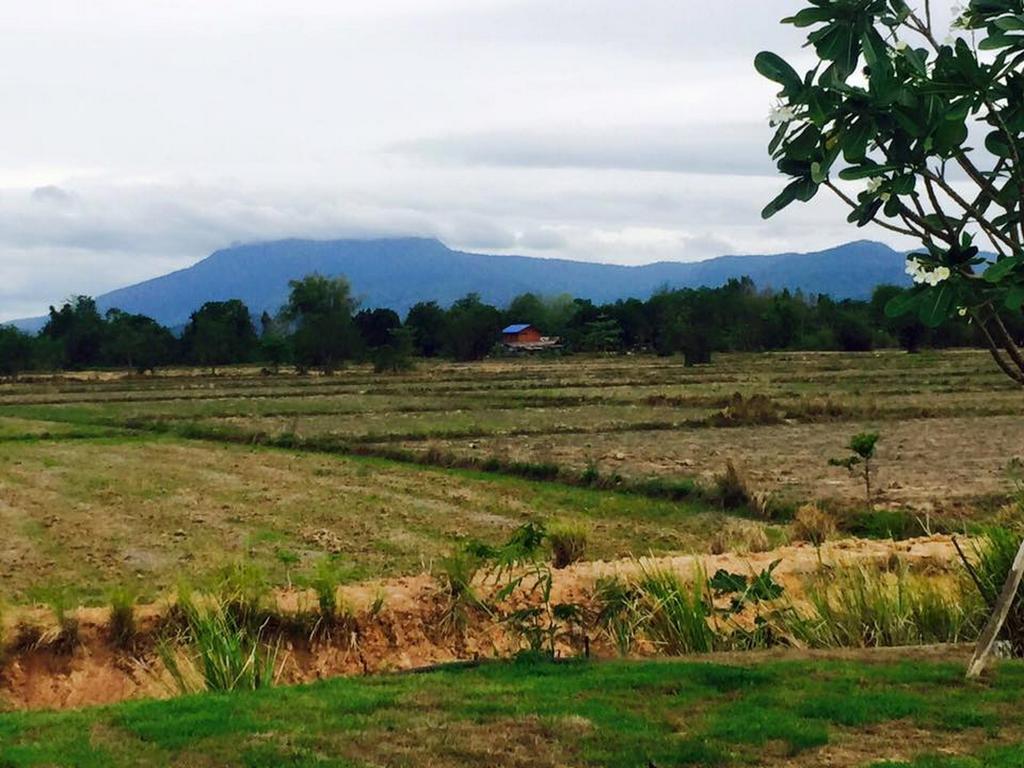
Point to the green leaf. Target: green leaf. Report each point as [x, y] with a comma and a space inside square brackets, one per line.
[903, 304]
[998, 271]
[866, 171]
[784, 198]
[996, 143]
[936, 304]
[809, 16]
[1015, 298]
[994, 42]
[1010, 23]
[917, 58]
[775, 68]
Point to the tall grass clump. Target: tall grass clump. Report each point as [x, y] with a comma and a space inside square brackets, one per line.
[66, 637]
[568, 542]
[121, 622]
[994, 554]
[813, 525]
[459, 597]
[242, 588]
[863, 606]
[221, 652]
[675, 614]
[618, 612]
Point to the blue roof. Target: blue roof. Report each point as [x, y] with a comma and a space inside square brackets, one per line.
[517, 328]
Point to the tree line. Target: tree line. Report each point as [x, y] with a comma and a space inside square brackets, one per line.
[321, 326]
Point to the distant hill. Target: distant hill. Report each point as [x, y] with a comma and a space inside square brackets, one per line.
[399, 272]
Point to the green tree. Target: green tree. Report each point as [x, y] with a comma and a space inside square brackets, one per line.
[319, 310]
[79, 329]
[427, 322]
[375, 326]
[472, 328]
[896, 105]
[137, 341]
[15, 351]
[907, 329]
[219, 333]
[396, 354]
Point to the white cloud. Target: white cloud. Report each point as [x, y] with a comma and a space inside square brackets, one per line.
[138, 137]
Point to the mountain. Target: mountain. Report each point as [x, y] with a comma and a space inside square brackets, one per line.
[398, 272]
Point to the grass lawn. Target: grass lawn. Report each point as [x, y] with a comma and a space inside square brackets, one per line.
[669, 713]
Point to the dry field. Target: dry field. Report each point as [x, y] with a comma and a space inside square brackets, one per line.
[107, 479]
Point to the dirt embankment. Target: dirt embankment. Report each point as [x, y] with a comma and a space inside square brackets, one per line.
[396, 626]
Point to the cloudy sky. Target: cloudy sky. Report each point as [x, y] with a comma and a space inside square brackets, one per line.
[136, 137]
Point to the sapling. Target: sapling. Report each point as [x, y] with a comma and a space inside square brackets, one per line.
[862, 452]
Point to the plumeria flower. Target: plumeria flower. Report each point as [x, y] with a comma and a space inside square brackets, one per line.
[884, 197]
[962, 311]
[874, 185]
[781, 113]
[950, 40]
[901, 46]
[923, 275]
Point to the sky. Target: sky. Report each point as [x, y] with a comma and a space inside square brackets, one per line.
[137, 137]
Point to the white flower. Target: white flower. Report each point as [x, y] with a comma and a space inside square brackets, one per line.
[950, 40]
[874, 185]
[884, 197]
[781, 113]
[962, 311]
[923, 275]
[901, 46]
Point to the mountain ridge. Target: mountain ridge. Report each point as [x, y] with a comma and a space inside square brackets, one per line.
[398, 272]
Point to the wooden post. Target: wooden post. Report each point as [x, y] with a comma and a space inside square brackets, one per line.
[995, 623]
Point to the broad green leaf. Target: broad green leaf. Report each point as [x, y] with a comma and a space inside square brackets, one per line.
[775, 68]
[936, 304]
[994, 42]
[1002, 268]
[1015, 298]
[784, 198]
[903, 304]
[865, 171]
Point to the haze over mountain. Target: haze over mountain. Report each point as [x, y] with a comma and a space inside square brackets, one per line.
[398, 272]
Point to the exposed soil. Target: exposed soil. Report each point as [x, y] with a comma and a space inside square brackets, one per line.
[403, 634]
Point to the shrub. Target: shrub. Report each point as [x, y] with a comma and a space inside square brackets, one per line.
[121, 622]
[456, 575]
[243, 588]
[756, 410]
[568, 542]
[66, 638]
[674, 614]
[732, 489]
[813, 525]
[618, 612]
[756, 540]
[224, 653]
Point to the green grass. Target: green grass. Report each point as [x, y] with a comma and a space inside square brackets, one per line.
[586, 714]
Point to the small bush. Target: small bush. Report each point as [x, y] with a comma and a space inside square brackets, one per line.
[223, 653]
[568, 542]
[732, 488]
[618, 612]
[121, 622]
[756, 410]
[813, 525]
[757, 540]
[456, 575]
[674, 614]
[243, 588]
[883, 524]
[66, 638]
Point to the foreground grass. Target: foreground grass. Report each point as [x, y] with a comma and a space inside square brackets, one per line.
[587, 714]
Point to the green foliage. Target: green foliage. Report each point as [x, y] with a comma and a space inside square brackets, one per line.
[568, 542]
[862, 452]
[618, 612]
[223, 651]
[121, 621]
[675, 614]
[860, 606]
[219, 333]
[993, 557]
[319, 311]
[896, 105]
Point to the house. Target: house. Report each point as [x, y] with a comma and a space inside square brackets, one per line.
[521, 333]
[525, 338]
